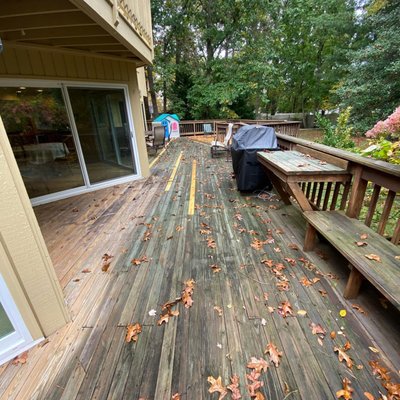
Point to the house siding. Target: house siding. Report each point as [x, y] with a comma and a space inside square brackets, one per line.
[25, 262]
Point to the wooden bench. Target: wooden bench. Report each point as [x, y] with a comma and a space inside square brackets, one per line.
[344, 233]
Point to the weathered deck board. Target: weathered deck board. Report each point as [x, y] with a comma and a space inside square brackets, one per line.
[88, 359]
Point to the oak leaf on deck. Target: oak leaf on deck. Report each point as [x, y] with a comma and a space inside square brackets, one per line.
[216, 386]
[343, 356]
[258, 364]
[274, 354]
[132, 332]
[285, 309]
[234, 388]
[347, 390]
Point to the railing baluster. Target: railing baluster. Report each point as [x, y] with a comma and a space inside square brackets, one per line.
[327, 195]
[335, 196]
[314, 192]
[396, 233]
[308, 190]
[320, 192]
[386, 212]
[372, 204]
[345, 195]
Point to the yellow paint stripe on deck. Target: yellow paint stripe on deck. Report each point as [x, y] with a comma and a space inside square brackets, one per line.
[157, 158]
[192, 197]
[172, 177]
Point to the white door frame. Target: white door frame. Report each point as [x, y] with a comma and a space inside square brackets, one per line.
[19, 340]
[64, 85]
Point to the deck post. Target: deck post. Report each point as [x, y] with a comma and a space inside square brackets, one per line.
[310, 238]
[353, 284]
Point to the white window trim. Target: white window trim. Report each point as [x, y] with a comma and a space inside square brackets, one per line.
[63, 85]
[19, 340]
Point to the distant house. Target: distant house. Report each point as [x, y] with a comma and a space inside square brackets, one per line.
[171, 123]
[71, 104]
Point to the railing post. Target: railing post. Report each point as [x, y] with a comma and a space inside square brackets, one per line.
[358, 189]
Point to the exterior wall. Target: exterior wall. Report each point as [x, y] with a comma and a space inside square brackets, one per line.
[44, 63]
[24, 260]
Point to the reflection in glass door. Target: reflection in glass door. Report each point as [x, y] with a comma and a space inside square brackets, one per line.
[101, 120]
[38, 129]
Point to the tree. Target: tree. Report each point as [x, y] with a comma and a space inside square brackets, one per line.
[372, 86]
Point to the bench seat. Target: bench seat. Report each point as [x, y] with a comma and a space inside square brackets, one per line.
[343, 233]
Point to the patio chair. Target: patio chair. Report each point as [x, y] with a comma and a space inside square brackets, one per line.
[218, 146]
[157, 138]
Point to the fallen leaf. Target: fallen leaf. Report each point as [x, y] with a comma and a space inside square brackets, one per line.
[258, 364]
[369, 396]
[291, 261]
[21, 359]
[361, 244]
[347, 390]
[274, 354]
[268, 263]
[179, 228]
[106, 262]
[358, 308]
[293, 246]
[218, 310]
[364, 236]
[283, 286]
[285, 309]
[277, 249]
[255, 383]
[132, 332]
[234, 388]
[305, 282]
[302, 312]
[259, 396]
[323, 292]
[166, 316]
[216, 386]
[271, 309]
[211, 243]
[343, 356]
[377, 369]
[215, 268]
[317, 329]
[86, 271]
[333, 335]
[176, 396]
[347, 346]
[265, 294]
[373, 257]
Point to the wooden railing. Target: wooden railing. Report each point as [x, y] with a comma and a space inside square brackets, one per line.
[209, 127]
[372, 195]
[137, 13]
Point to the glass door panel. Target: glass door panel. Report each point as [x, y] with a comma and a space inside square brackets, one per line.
[6, 327]
[102, 123]
[38, 128]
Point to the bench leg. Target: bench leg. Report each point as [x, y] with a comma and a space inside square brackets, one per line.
[310, 239]
[353, 284]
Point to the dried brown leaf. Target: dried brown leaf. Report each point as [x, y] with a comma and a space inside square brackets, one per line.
[132, 332]
[216, 386]
[258, 364]
[274, 354]
[373, 257]
[347, 390]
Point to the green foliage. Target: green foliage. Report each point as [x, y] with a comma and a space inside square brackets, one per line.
[219, 58]
[383, 149]
[372, 85]
[338, 135]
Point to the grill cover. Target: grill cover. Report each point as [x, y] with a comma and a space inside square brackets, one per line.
[246, 143]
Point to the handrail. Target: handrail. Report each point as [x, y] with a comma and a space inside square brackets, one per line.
[383, 166]
[372, 195]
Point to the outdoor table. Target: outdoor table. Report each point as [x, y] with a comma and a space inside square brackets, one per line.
[287, 169]
[42, 153]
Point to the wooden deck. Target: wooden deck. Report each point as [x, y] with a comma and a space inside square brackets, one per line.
[89, 358]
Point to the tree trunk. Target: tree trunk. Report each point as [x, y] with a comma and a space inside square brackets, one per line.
[150, 81]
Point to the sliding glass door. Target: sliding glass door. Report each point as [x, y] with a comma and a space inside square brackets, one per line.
[101, 121]
[68, 138]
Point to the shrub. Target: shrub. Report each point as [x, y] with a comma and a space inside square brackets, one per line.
[338, 135]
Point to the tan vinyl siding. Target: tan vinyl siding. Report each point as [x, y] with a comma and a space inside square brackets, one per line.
[25, 263]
